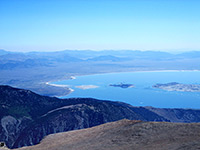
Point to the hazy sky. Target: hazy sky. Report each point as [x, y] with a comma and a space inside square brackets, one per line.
[49, 25]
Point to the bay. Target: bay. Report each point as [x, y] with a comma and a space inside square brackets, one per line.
[142, 94]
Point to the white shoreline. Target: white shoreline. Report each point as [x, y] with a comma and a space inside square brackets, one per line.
[86, 87]
[171, 71]
[58, 85]
[72, 77]
[63, 86]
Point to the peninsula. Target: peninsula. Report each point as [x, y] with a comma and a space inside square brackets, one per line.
[174, 86]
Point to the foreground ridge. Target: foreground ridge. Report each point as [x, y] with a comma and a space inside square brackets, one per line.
[126, 135]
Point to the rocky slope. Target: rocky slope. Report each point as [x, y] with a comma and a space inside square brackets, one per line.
[126, 135]
[26, 118]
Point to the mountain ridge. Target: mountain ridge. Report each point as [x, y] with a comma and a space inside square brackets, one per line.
[26, 117]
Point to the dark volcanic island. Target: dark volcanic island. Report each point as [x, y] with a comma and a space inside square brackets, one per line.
[174, 86]
[122, 85]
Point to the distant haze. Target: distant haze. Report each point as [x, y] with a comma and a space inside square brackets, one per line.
[51, 25]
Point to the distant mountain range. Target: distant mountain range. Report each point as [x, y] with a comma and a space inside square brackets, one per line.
[26, 117]
[88, 55]
[3, 52]
[17, 60]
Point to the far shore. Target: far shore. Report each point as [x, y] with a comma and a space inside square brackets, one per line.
[74, 77]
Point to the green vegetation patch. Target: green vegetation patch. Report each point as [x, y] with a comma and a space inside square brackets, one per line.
[19, 111]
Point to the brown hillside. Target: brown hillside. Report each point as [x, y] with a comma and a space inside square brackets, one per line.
[126, 135]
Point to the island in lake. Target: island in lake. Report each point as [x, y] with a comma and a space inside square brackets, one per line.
[174, 86]
[122, 85]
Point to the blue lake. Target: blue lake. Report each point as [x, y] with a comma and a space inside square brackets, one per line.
[142, 94]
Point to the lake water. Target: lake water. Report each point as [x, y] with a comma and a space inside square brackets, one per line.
[142, 94]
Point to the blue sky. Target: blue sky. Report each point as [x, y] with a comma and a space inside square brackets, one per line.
[52, 25]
